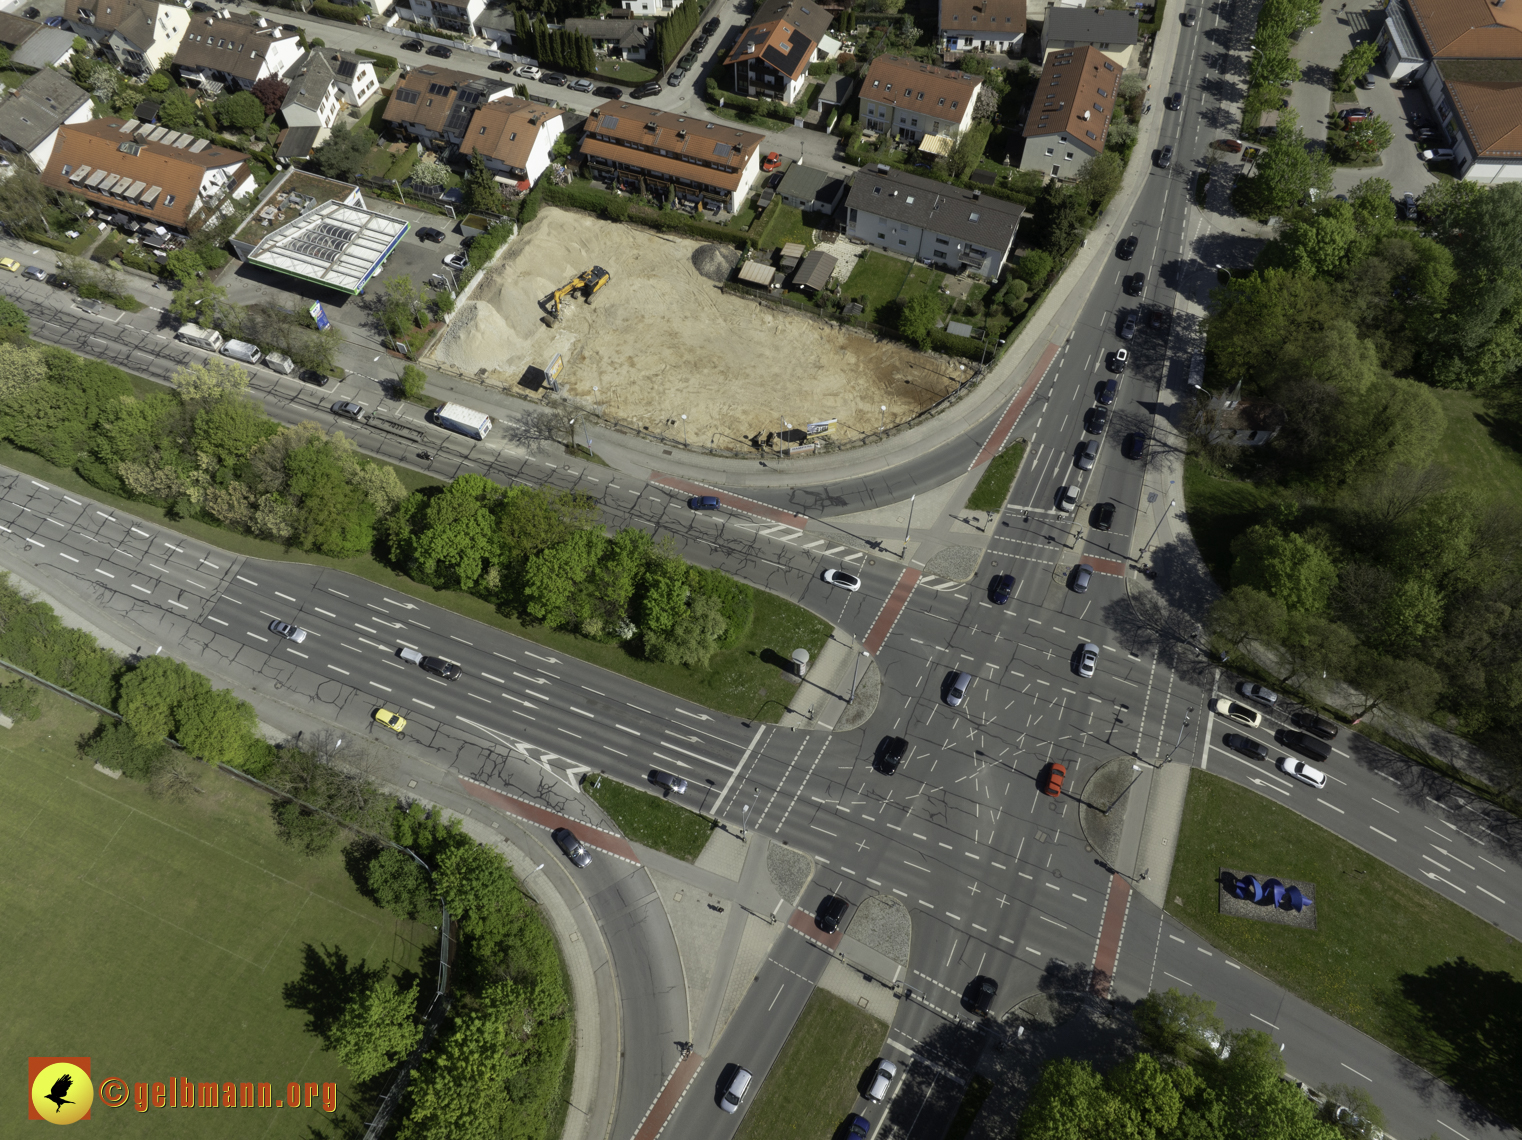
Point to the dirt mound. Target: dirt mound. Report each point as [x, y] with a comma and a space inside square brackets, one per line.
[715, 262]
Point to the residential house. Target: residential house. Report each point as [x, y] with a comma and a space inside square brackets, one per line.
[982, 25]
[135, 35]
[931, 222]
[233, 53]
[323, 83]
[435, 105]
[705, 165]
[620, 39]
[1110, 30]
[811, 189]
[46, 47]
[1230, 419]
[460, 18]
[151, 173]
[514, 138]
[16, 30]
[649, 7]
[30, 119]
[772, 56]
[910, 99]
[1071, 111]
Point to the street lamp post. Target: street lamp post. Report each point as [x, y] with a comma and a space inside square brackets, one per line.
[854, 669]
[1138, 770]
[1171, 504]
[744, 816]
[684, 429]
[908, 526]
[1180, 739]
[882, 420]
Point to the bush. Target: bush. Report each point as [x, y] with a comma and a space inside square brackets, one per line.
[114, 745]
[384, 64]
[342, 15]
[414, 379]
[1034, 268]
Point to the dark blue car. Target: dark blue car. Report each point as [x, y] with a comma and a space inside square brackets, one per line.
[704, 502]
[1003, 586]
[858, 1126]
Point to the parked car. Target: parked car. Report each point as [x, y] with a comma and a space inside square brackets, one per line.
[1408, 207]
[554, 79]
[890, 754]
[1256, 692]
[883, 1073]
[1088, 452]
[440, 51]
[584, 86]
[771, 161]
[842, 579]
[36, 273]
[956, 688]
[529, 71]
[830, 912]
[672, 783]
[704, 503]
[1108, 390]
[574, 849]
[1103, 516]
[1128, 327]
[1301, 770]
[608, 91]
[1117, 360]
[10, 264]
[1095, 419]
[1246, 745]
[348, 409]
[32, 13]
[53, 22]
[396, 722]
[1083, 573]
[1231, 145]
[711, 27]
[645, 90]
[1365, 81]
[1165, 157]
[1002, 589]
[428, 233]
[1157, 318]
[1441, 154]
[1134, 446]
[457, 261]
[1067, 498]
[1224, 706]
[700, 43]
[1127, 248]
[981, 994]
[288, 631]
[500, 65]
[1088, 659]
[1356, 114]
[676, 77]
[688, 61]
[1053, 778]
[411, 45]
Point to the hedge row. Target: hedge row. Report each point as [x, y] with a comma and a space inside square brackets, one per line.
[339, 12]
[384, 64]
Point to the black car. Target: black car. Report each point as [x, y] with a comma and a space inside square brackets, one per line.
[428, 233]
[608, 92]
[645, 90]
[1094, 420]
[1157, 319]
[412, 45]
[1134, 446]
[574, 850]
[711, 27]
[312, 376]
[198, 6]
[700, 43]
[500, 65]
[890, 753]
[1128, 247]
[1116, 362]
[31, 13]
[1103, 516]
[1134, 283]
[440, 50]
[1165, 157]
[554, 80]
[441, 668]
[1246, 746]
[1002, 589]
[1109, 389]
[981, 994]
[1408, 207]
[830, 912]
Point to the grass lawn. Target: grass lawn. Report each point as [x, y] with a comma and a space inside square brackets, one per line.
[1220, 508]
[1389, 956]
[813, 1083]
[876, 281]
[645, 817]
[921, 279]
[624, 71]
[1483, 452]
[993, 487]
[156, 937]
[785, 224]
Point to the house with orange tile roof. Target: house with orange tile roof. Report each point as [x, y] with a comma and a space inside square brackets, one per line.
[982, 25]
[910, 99]
[514, 137]
[435, 104]
[772, 56]
[1070, 113]
[702, 164]
[153, 173]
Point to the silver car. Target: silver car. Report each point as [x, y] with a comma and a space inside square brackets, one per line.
[672, 783]
[1067, 499]
[1088, 452]
[288, 631]
[956, 692]
[1081, 575]
[1088, 657]
[882, 1077]
[574, 849]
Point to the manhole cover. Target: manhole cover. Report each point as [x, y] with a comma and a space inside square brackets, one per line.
[1040, 837]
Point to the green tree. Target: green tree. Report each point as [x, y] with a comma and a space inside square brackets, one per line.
[200, 302]
[1288, 567]
[482, 194]
[479, 888]
[178, 110]
[376, 1029]
[555, 581]
[450, 539]
[1100, 176]
[399, 884]
[400, 304]
[919, 318]
[334, 518]
[1287, 171]
[1323, 245]
[692, 639]
[19, 700]
[241, 110]
[14, 323]
[1352, 1110]
[217, 726]
[342, 156]
[231, 429]
[1358, 61]
[1181, 1026]
[186, 265]
[1373, 201]
[21, 369]
[213, 377]
[1313, 646]
[1034, 267]
[1363, 139]
[1070, 1102]
[1413, 686]
[414, 379]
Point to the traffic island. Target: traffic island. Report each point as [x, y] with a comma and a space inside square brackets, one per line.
[1102, 806]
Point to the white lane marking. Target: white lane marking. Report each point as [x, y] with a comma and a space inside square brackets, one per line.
[1376, 831]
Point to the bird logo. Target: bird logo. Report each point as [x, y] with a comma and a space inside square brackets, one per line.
[61, 1089]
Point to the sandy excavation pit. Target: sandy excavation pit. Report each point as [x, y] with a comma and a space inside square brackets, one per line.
[660, 341]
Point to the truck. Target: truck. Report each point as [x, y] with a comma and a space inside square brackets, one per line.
[457, 417]
[242, 350]
[209, 339]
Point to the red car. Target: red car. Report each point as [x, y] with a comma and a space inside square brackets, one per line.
[1055, 774]
[771, 161]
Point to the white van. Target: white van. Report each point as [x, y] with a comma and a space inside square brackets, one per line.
[279, 362]
[242, 350]
[209, 339]
[411, 655]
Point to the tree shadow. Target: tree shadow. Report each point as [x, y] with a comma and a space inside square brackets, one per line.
[327, 985]
[1318, 75]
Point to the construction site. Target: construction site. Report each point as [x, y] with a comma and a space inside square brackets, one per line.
[644, 338]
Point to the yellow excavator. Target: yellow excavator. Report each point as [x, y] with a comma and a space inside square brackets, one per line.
[588, 283]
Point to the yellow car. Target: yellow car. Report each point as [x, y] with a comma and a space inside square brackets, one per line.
[394, 721]
[10, 263]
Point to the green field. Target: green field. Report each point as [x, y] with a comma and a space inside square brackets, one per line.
[155, 938]
[1483, 451]
[876, 281]
[1220, 508]
[648, 819]
[1389, 956]
[813, 1083]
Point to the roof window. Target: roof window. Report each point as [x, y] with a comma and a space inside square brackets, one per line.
[972, 217]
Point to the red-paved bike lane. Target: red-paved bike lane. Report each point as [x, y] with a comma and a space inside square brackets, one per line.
[995, 443]
[1110, 930]
[730, 499]
[887, 617]
[670, 1096]
[612, 844]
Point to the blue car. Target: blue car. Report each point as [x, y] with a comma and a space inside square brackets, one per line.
[858, 1126]
[704, 502]
[1003, 587]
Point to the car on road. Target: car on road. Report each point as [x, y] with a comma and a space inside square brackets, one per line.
[771, 161]
[734, 1092]
[428, 233]
[608, 91]
[1067, 498]
[348, 409]
[1408, 207]
[890, 754]
[1256, 692]
[842, 579]
[396, 722]
[1225, 706]
[1191, 17]
[1095, 419]
[1002, 589]
[956, 688]
[1054, 776]
[1088, 452]
[1107, 391]
[529, 71]
[1165, 157]
[1128, 327]
[500, 65]
[575, 850]
[11, 264]
[1246, 745]
[980, 995]
[36, 273]
[554, 79]
[1134, 446]
[671, 782]
[1312, 723]
[1088, 658]
[288, 631]
[1441, 154]
[1117, 360]
[1134, 284]
[711, 27]
[1157, 318]
[1174, 102]
[584, 86]
[1127, 248]
[676, 77]
[1083, 573]
[687, 61]
[704, 503]
[457, 261]
[440, 667]
[1103, 516]
[830, 912]
[1301, 770]
[439, 51]
[882, 1076]
[858, 1127]
[645, 90]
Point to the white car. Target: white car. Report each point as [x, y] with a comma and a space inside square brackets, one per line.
[842, 579]
[1441, 154]
[1300, 770]
[1256, 692]
[1068, 499]
[1223, 706]
[882, 1076]
[529, 71]
[1087, 658]
[288, 631]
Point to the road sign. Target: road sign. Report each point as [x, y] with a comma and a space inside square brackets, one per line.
[319, 316]
[552, 373]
